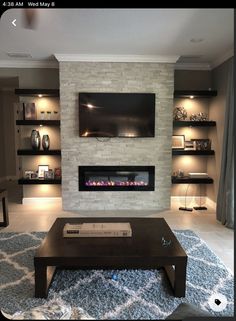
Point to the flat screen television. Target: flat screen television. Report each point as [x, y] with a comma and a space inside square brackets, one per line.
[116, 114]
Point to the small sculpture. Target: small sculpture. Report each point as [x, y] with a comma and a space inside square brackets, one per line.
[180, 113]
[198, 117]
[193, 117]
[165, 242]
[202, 116]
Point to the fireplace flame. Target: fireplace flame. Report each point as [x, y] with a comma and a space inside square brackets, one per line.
[115, 183]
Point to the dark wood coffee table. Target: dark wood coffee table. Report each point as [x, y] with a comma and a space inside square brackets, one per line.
[144, 250]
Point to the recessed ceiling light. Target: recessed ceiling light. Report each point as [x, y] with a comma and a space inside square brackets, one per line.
[196, 40]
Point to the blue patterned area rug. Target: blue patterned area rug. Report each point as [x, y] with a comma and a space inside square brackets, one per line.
[110, 295]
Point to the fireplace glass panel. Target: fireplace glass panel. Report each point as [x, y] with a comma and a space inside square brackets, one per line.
[116, 178]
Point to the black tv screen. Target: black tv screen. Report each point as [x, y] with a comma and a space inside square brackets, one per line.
[116, 114]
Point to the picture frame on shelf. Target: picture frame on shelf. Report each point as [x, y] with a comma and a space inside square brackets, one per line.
[29, 111]
[34, 175]
[57, 173]
[178, 141]
[202, 144]
[189, 145]
[49, 174]
[41, 170]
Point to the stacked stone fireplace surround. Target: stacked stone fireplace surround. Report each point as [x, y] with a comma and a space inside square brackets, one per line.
[77, 151]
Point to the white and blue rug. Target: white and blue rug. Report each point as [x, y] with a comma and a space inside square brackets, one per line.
[110, 295]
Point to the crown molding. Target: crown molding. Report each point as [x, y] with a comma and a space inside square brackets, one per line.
[222, 58]
[28, 64]
[192, 66]
[116, 58]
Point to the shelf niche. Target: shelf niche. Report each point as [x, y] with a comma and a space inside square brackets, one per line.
[23, 181]
[190, 180]
[191, 123]
[176, 152]
[195, 93]
[37, 92]
[28, 152]
[38, 122]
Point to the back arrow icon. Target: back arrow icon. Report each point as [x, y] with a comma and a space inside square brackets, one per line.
[14, 22]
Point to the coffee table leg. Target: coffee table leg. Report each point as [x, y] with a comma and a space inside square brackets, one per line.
[180, 280]
[43, 278]
[5, 211]
[177, 278]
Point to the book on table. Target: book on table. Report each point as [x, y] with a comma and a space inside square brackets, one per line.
[97, 230]
[198, 175]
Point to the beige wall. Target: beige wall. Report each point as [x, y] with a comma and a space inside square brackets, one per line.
[193, 80]
[33, 77]
[217, 111]
[8, 155]
[2, 141]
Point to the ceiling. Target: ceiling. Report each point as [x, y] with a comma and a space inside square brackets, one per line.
[120, 32]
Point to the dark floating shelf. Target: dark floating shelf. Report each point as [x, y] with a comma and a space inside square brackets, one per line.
[192, 152]
[195, 93]
[23, 181]
[183, 123]
[188, 180]
[38, 122]
[36, 92]
[38, 152]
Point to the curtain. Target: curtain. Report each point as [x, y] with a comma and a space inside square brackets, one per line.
[225, 197]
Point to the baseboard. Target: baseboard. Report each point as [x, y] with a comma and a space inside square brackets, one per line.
[40, 200]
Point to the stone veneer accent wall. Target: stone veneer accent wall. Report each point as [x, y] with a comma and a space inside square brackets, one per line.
[155, 78]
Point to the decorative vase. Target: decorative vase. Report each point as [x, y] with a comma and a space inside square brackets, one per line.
[46, 142]
[35, 139]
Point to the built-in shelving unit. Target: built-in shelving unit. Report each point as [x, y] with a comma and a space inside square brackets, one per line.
[192, 129]
[191, 123]
[38, 152]
[23, 181]
[25, 162]
[190, 180]
[176, 152]
[37, 122]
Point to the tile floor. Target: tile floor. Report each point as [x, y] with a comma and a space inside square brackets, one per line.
[40, 218]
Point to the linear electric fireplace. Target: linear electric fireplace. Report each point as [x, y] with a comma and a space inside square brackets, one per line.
[116, 178]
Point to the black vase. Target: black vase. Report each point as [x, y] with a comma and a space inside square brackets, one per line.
[35, 139]
[46, 142]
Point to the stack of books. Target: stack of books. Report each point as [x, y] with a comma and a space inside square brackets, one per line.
[198, 175]
[97, 230]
